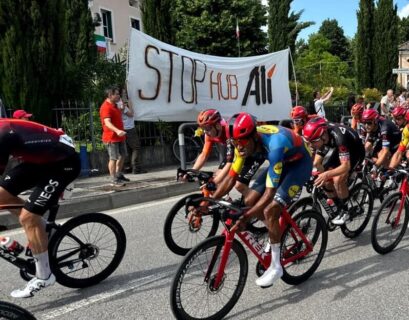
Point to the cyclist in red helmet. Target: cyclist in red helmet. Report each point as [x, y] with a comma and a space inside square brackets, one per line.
[398, 117]
[356, 113]
[289, 168]
[300, 117]
[381, 137]
[403, 145]
[347, 152]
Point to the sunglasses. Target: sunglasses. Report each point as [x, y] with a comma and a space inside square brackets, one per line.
[241, 142]
[298, 121]
[398, 118]
[370, 123]
[207, 128]
[315, 140]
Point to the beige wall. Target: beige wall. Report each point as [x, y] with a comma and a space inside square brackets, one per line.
[122, 13]
[403, 78]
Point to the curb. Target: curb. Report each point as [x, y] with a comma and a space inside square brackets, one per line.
[108, 201]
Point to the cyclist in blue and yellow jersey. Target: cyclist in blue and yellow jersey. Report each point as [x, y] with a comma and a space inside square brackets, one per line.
[290, 166]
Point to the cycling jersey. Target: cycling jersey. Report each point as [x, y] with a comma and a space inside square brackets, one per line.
[289, 159]
[387, 135]
[222, 140]
[404, 140]
[32, 142]
[345, 144]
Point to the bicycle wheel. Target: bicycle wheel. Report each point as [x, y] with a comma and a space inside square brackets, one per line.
[387, 231]
[10, 311]
[192, 150]
[86, 249]
[192, 296]
[303, 204]
[360, 210]
[180, 234]
[314, 227]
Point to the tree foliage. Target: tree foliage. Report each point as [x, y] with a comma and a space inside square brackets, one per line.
[157, 19]
[283, 25]
[385, 44]
[364, 45]
[335, 34]
[37, 51]
[403, 30]
[208, 26]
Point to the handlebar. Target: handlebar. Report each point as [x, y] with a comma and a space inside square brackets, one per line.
[226, 209]
[192, 174]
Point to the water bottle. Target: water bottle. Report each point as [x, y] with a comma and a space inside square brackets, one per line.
[332, 205]
[13, 246]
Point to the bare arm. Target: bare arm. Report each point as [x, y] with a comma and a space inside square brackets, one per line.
[110, 126]
[328, 95]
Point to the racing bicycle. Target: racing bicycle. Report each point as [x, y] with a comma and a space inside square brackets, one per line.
[10, 311]
[83, 251]
[212, 276]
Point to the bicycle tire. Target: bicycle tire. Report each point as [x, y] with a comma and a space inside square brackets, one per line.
[183, 307]
[321, 228]
[97, 223]
[357, 206]
[192, 150]
[10, 311]
[302, 204]
[179, 213]
[377, 230]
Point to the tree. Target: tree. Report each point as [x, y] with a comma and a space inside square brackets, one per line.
[318, 68]
[37, 51]
[335, 34]
[208, 26]
[403, 30]
[385, 44]
[157, 19]
[364, 44]
[283, 26]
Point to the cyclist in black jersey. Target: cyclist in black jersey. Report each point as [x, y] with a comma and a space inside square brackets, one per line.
[48, 162]
[344, 150]
[381, 137]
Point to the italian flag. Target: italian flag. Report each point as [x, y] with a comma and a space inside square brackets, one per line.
[101, 43]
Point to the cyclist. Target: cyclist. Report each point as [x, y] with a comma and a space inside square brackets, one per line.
[356, 113]
[289, 168]
[48, 163]
[214, 127]
[300, 117]
[397, 156]
[381, 137]
[347, 151]
[398, 115]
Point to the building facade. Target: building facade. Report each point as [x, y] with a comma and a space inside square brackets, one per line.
[115, 18]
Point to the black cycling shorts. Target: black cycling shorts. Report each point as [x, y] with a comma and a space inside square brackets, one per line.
[48, 180]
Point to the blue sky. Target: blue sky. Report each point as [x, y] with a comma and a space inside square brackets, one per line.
[344, 11]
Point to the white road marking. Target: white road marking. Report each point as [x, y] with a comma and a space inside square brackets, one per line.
[105, 295]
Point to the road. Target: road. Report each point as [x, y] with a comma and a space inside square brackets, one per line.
[352, 282]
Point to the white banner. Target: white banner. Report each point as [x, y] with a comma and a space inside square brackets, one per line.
[172, 84]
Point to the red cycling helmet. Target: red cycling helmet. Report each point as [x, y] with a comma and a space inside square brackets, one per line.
[399, 111]
[242, 125]
[208, 117]
[314, 128]
[357, 109]
[370, 115]
[299, 112]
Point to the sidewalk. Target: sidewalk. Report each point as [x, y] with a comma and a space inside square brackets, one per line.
[93, 194]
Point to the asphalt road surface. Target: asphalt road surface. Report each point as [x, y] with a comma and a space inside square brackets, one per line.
[352, 282]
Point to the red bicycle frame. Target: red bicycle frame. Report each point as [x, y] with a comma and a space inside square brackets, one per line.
[404, 189]
[258, 250]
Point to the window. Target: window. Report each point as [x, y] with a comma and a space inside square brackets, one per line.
[135, 24]
[107, 24]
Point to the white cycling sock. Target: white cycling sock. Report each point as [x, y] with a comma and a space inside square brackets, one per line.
[275, 256]
[42, 262]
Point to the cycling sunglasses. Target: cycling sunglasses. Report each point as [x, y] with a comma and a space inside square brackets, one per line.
[315, 140]
[298, 121]
[241, 142]
[399, 118]
[368, 123]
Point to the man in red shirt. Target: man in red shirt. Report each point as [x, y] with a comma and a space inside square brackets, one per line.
[113, 135]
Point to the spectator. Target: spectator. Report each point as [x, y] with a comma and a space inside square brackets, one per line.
[113, 135]
[387, 102]
[319, 101]
[22, 114]
[402, 97]
[132, 162]
[350, 102]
